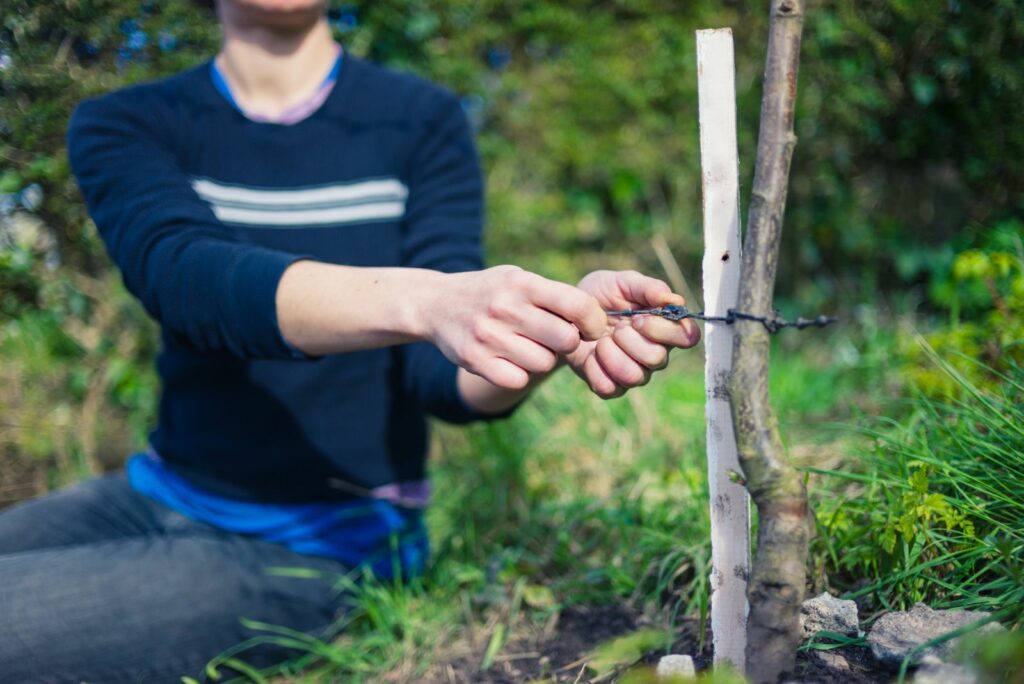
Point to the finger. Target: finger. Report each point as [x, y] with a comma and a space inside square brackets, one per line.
[503, 373]
[571, 303]
[601, 385]
[683, 334]
[527, 354]
[618, 365]
[642, 291]
[642, 350]
[547, 329]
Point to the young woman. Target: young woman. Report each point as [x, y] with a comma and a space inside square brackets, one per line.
[305, 226]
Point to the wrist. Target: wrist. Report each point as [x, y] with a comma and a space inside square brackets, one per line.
[422, 306]
[484, 397]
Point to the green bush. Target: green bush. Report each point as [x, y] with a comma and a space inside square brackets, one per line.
[935, 510]
[932, 511]
[587, 117]
[981, 289]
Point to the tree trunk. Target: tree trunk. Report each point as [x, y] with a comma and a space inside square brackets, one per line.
[776, 587]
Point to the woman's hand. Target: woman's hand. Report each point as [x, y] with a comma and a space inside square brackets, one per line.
[632, 348]
[508, 325]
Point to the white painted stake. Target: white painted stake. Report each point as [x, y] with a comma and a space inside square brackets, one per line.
[730, 506]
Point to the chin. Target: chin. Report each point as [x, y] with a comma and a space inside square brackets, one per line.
[278, 14]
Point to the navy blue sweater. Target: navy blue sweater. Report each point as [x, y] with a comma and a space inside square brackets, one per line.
[203, 210]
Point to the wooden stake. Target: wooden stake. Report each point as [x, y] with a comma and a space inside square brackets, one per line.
[730, 506]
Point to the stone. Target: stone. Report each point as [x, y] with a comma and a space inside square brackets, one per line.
[676, 666]
[831, 660]
[934, 671]
[895, 634]
[826, 613]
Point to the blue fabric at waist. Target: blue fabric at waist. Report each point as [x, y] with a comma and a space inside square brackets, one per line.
[365, 532]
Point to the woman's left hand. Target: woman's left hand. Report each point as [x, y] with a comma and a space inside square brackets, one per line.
[633, 347]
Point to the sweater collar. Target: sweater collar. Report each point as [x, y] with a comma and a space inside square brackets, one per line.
[292, 115]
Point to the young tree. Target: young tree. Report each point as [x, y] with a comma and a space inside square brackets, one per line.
[776, 586]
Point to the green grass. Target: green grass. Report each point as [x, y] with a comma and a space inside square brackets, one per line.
[934, 510]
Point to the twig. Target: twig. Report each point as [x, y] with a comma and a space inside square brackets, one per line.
[671, 268]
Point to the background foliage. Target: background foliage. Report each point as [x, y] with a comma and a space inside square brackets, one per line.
[587, 117]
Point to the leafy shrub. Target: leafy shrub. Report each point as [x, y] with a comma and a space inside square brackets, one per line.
[77, 389]
[587, 116]
[981, 289]
[935, 511]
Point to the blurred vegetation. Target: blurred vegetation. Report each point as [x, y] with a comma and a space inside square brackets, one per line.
[982, 292]
[587, 119]
[935, 508]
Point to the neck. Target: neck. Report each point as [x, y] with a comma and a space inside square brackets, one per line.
[272, 69]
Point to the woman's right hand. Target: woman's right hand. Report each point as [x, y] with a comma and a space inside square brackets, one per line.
[506, 324]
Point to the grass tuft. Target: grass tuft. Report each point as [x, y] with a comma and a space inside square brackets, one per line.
[934, 510]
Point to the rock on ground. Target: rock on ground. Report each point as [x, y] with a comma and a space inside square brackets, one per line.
[832, 660]
[826, 613]
[894, 635]
[676, 666]
[934, 671]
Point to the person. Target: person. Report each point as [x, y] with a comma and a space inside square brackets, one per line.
[305, 226]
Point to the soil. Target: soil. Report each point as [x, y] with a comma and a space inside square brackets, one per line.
[849, 665]
[554, 653]
[558, 652]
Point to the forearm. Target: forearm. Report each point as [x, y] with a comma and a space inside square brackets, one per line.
[504, 327]
[328, 309]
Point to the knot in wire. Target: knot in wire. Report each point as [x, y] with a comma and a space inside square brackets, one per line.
[773, 324]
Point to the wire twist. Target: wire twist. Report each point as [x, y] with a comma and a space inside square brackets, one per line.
[773, 324]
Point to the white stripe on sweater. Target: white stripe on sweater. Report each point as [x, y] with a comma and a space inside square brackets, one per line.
[382, 188]
[305, 217]
[369, 200]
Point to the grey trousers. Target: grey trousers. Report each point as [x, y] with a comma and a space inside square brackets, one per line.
[100, 584]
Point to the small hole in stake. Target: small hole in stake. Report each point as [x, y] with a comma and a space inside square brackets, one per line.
[725, 257]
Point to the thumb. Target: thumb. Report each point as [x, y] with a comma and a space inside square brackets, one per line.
[645, 291]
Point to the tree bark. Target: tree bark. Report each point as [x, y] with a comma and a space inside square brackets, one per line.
[776, 587]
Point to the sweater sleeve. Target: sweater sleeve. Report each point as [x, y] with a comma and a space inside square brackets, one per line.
[442, 232]
[209, 291]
